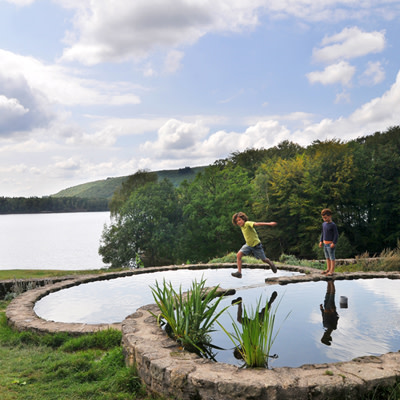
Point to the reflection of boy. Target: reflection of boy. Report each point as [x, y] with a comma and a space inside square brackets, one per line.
[241, 320]
[329, 315]
[253, 244]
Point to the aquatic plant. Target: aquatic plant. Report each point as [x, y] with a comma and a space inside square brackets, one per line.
[189, 316]
[255, 336]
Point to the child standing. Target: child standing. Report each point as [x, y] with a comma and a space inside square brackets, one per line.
[329, 239]
[253, 244]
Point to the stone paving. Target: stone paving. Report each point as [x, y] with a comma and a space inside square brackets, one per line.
[167, 369]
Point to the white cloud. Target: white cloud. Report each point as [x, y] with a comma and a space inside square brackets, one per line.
[116, 30]
[342, 72]
[349, 43]
[63, 85]
[373, 74]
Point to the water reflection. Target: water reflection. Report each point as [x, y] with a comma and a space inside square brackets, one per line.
[246, 320]
[369, 326]
[330, 316]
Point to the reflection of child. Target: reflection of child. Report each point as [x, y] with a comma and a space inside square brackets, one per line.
[329, 315]
[241, 320]
[253, 244]
[329, 239]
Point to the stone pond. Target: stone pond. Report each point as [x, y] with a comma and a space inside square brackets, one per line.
[167, 369]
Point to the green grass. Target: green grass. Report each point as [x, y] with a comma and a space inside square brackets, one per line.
[59, 366]
[231, 258]
[48, 273]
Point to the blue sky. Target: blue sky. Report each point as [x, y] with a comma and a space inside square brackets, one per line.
[92, 89]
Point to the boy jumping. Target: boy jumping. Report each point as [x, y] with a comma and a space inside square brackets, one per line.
[253, 244]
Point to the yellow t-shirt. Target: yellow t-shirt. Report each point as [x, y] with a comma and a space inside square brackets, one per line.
[250, 234]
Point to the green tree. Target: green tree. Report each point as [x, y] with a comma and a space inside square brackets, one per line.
[147, 224]
[138, 179]
[208, 204]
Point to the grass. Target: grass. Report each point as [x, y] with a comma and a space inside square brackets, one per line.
[231, 258]
[48, 273]
[59, 366]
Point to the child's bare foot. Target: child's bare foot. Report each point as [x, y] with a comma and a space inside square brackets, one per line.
[324, 272]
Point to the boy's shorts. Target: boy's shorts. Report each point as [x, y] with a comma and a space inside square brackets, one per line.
[329, 252]
[256, 251]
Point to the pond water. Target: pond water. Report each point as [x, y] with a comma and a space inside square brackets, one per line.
[369, 325]
[112, 300]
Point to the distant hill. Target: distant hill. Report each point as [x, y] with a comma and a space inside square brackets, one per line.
[105, 188]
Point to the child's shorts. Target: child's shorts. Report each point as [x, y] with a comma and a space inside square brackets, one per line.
[256, 251]
[329, 252]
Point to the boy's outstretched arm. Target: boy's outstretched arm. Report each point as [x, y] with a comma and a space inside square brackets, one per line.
[265, 224]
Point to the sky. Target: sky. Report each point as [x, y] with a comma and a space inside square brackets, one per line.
[92, 89]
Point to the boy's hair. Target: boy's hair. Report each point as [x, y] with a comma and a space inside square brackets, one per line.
[241, 215]
[326, 211]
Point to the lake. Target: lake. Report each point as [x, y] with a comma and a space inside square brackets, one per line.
[65, 241]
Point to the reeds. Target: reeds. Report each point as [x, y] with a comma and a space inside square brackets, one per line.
[254, 338]
[190, 316]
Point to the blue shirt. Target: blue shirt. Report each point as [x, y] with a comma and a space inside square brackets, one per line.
[329, 232]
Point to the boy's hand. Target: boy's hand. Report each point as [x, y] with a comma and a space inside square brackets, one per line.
[273, 223]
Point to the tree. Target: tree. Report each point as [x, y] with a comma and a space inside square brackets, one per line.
[208, 204]
[146, 225]
[138, 179]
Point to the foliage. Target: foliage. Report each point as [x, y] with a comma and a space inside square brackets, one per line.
[147, 225]
[128, 186]
[189, 317]
[208, 204]
[255, 337]
[290, 259]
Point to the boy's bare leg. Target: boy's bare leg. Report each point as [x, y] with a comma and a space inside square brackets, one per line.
[271, 264]
[327, 267]
[238, 274]
[239, 256]
[331, 265]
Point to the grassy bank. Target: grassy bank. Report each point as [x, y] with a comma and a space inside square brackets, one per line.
[48, 273]
[59, 366]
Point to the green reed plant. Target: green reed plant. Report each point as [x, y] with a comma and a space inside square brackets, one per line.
[255, 337]
[189, 316]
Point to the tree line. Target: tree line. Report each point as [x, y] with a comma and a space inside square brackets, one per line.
[358, 180]
[28, 205]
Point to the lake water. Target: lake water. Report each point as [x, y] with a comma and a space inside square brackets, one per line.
[66, 241]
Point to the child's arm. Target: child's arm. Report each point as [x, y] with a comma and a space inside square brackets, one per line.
[265, 224]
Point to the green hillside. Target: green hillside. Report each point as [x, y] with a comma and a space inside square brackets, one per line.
[105, 188]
